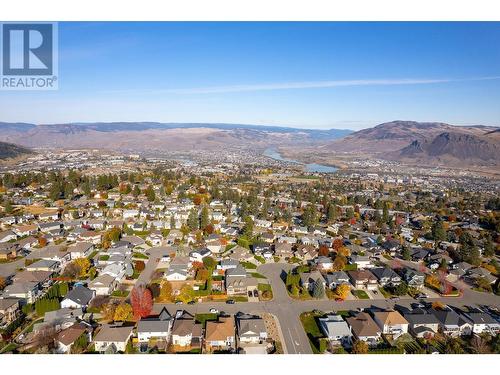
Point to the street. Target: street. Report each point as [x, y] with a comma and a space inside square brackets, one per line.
[288, 310]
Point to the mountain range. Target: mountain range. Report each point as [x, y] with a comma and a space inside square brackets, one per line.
[426, 143]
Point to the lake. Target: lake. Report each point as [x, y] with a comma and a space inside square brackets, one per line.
[313, 167]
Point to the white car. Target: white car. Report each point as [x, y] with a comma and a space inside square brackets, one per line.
[214, 311]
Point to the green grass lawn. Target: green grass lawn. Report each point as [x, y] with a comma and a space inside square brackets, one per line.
[258, 275]
[139, 256]
[203, 318]
[120, 293]
[260, 259]
[309, 322]
[248, 265]
[104, 257]
[361, 294]
[385, 292]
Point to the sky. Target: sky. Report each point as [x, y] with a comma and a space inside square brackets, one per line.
[342, 75]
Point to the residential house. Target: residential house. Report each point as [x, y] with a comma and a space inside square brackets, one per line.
[27, 292]
[386, 276]
[451, 323]
[158, 327]
[103, 285]
[251, 330]
[413, 277]
[186, 333]
[361, 261]
[283, 250]
[483, 323]
[78, 298]
[391, 322]
[67, 337]
[363, 279]
[220, 335]
[9, 310]
[336, 330]
[421, 323]
[308, 279]
[112, 339]
[364, 328]
[324, 263]
[81, 250]
[44, 265]
[336, 278]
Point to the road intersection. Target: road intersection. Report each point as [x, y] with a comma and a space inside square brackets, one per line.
[288, 310]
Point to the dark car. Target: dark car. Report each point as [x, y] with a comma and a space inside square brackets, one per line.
[255, 293]
[230, 301]
[191, 302]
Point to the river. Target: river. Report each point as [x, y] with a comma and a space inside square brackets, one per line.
[313, 167]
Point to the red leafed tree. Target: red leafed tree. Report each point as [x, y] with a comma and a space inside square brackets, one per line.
[141, 301]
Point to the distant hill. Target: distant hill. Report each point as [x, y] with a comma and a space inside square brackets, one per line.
[154, 135]
[9, 150]
[395, 135]
[452, 148]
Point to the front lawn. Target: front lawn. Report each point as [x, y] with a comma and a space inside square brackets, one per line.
[139, 256]
[248, 265]
[361, 294]
[258, 275]
[203, 318]
[260, 259]
[313, 332]
[120, 293]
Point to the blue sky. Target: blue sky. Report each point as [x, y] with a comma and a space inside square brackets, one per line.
[311, 75]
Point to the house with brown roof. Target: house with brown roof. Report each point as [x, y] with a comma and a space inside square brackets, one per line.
[186, 333]
[220, 335]
[363, 279]
[364, 328]
[67, 337]
[112, 339]
[391, 323]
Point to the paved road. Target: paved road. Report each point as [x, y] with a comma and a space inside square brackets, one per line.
[288, 310]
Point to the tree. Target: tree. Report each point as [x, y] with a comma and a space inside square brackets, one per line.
[108, 311]
[438, 232]
[165, 292]
[83, 265]
[142, 301]
[339, 263]
[139, 265]
[202, 274]
[248, 227]
[192, 221]
[123, 312]
[204, 218]
[2, 283]
[210, 263]
[136, 192]
[342, 291]
[323, 250]
[186, 293]
[318, 289]
[360, 347]
[405, 253]
[150, 193]
[331, 213]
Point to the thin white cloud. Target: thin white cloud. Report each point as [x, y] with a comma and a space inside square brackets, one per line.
[305, 85]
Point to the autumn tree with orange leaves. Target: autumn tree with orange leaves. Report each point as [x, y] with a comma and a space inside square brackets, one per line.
[141, 301]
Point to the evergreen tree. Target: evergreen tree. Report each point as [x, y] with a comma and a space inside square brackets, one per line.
[318, 289]
[192, 221]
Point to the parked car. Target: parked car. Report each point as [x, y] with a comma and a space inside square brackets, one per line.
[230, 301]
[191, 302]
[256, 293]
[213, 310]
